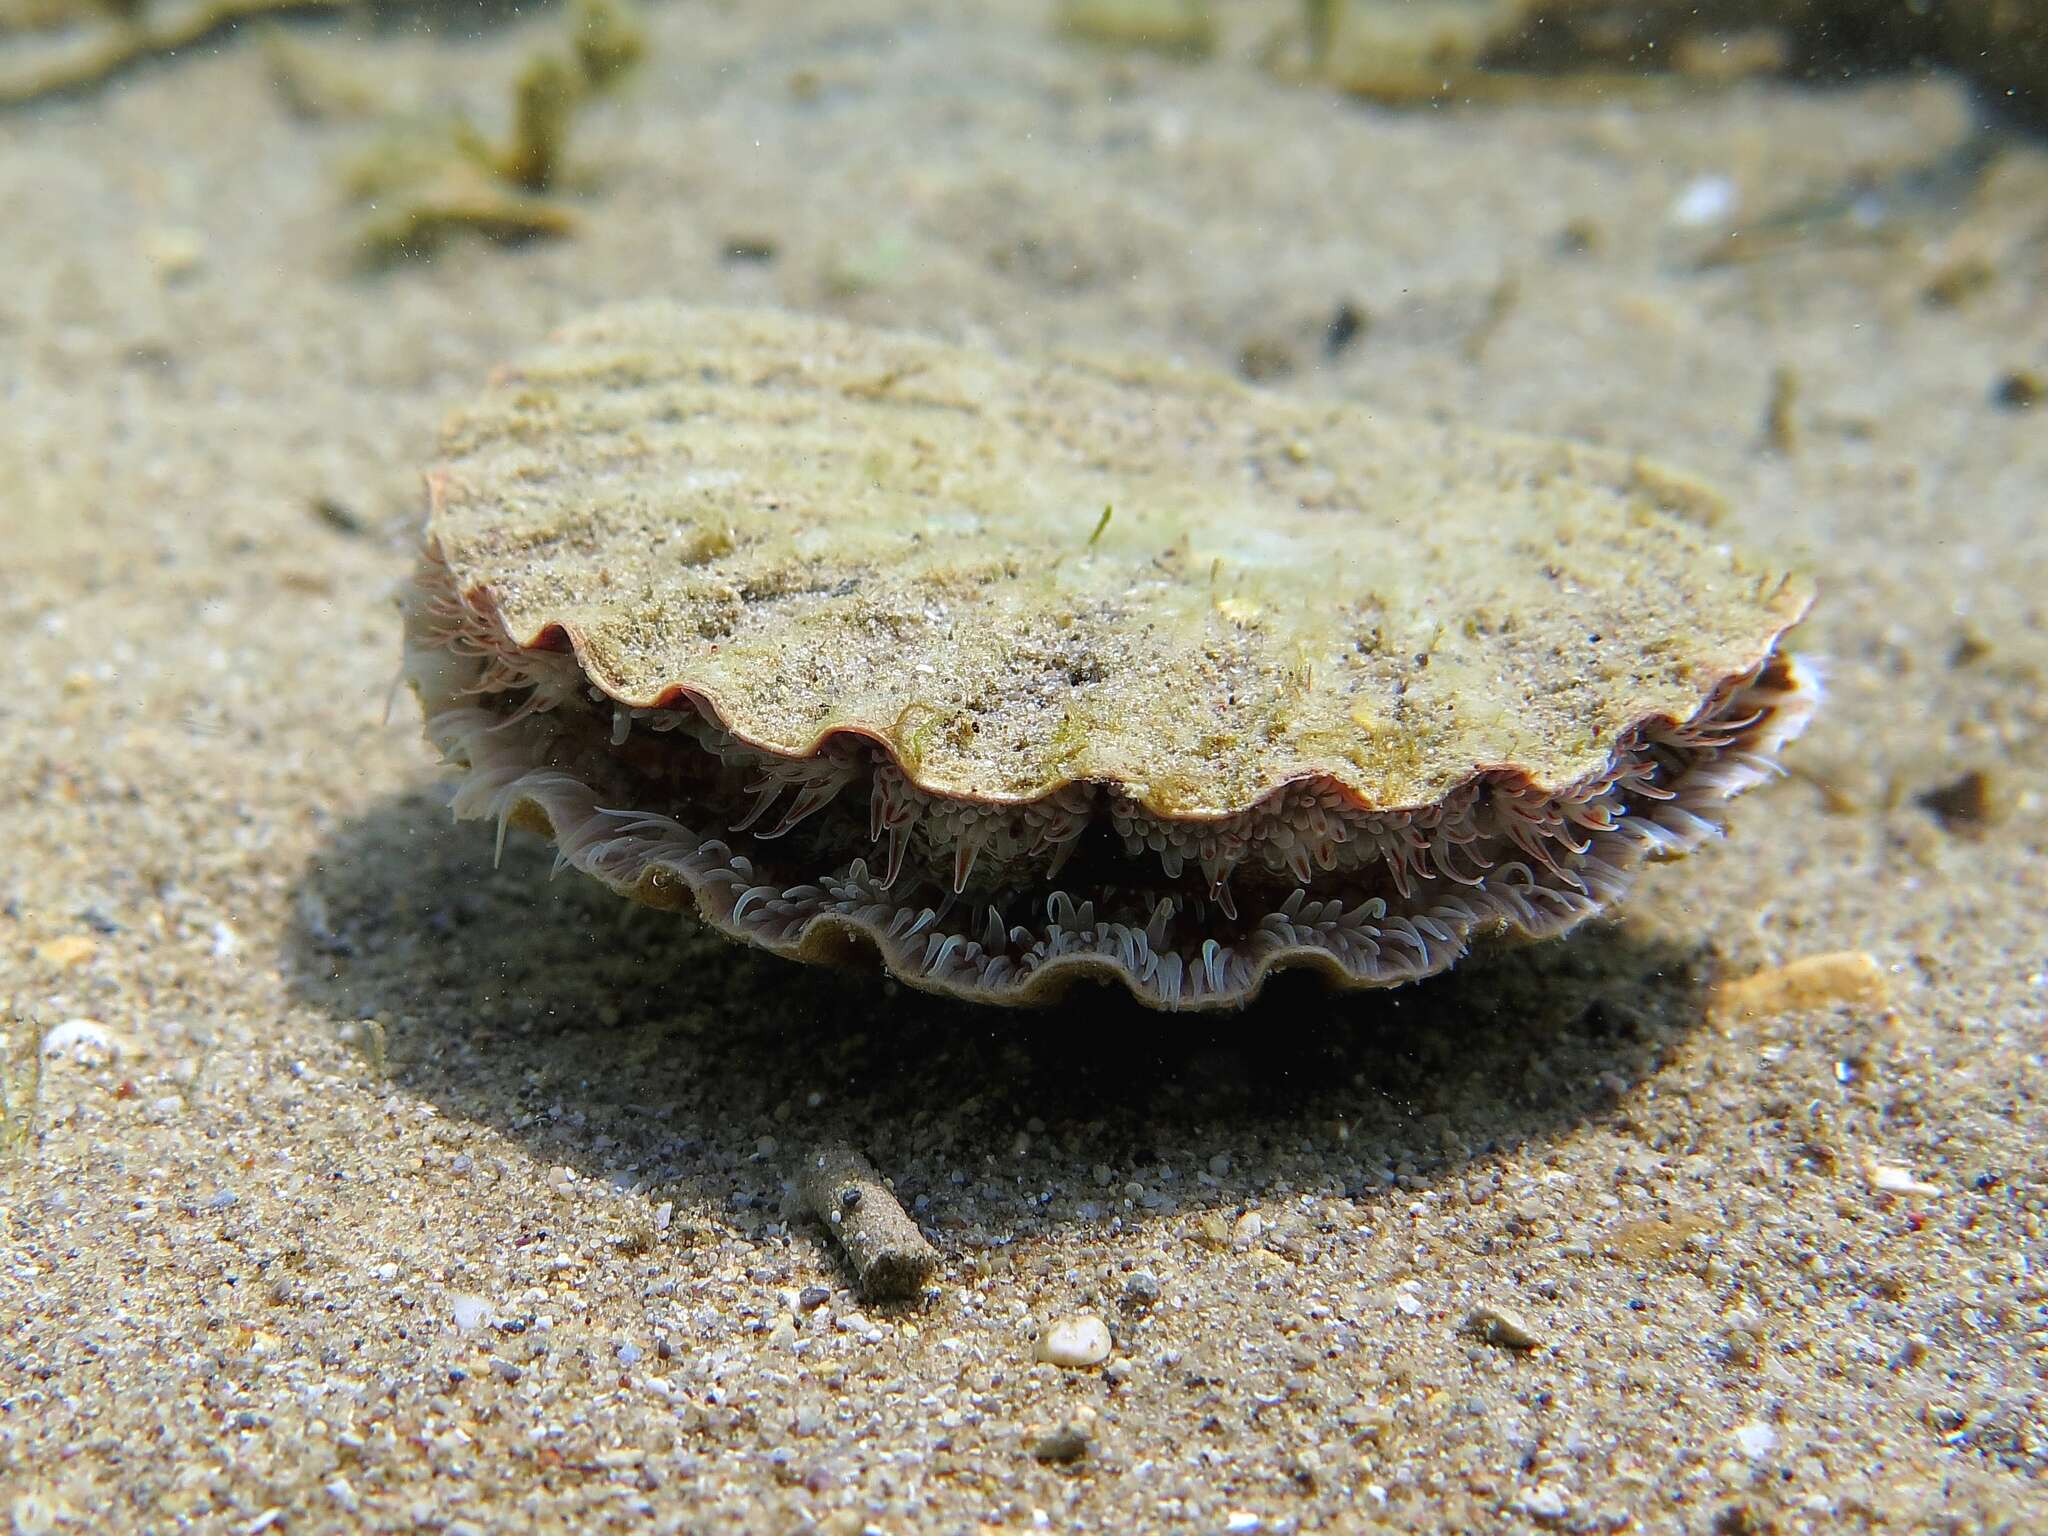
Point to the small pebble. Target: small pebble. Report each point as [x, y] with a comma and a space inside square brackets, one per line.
[1141, 1289]
[1069, 1441]
[63, 953]
[1704, 200]
[2019, 390]
[1889, 1179]
[1075, 1342]
[506, 1370]
[1545, 1504]
[1756, 1440]
[471, 1312]
[1968, 804]
[1497, 1325]
[812, 1297]
[86, 1041]
[1815, 981]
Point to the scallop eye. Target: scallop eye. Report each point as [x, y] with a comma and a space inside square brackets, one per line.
[1013, 673]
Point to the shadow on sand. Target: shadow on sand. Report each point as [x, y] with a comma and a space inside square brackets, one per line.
[630, 1045]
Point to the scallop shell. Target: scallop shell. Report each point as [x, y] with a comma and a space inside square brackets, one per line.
[1013, 671]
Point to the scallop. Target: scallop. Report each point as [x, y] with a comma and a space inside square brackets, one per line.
[1014, 671]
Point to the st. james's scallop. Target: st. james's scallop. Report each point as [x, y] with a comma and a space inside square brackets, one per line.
[1016, 671]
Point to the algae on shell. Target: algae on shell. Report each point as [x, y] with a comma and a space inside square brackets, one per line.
[1235, 656]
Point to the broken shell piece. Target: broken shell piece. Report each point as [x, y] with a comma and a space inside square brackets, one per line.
[1498, 1325]
[1074, 1343]
[1890, 1179]
[828, 633]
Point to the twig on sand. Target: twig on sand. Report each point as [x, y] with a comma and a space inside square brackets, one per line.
[889, 1254]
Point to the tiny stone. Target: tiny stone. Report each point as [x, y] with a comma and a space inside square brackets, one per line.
[86, 1041]
[1743, 1343]
[471, 1312]
[812, 1297]
[1497, 1325]
[1966, 805]
[1141, 1289]
[1756, 1440]
[72, 949]
[506, 1370]
[1347, 323]
[1814, 981]
[1546, 1504]
[1888, 1179]
[1075, 1342]
[2019, 390]
[1069, 1441]
[1242, 1523]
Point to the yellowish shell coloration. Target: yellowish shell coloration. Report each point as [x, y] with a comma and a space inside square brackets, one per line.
[1013, 671]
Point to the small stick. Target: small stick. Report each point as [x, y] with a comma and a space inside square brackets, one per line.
[889, 1254]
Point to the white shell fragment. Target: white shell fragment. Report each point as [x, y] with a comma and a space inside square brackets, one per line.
[1074, 1343]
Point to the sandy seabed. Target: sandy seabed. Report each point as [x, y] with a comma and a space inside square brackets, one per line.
[367, 1186]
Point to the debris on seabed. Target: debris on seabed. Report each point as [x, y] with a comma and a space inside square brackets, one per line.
[1067, 1441]
[1074, 1343]
[1182, 29]
[1890, 1179]
[1497, 1325]
[889, 1254]
[1850, 976]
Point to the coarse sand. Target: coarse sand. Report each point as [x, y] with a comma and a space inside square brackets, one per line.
[369, 1186]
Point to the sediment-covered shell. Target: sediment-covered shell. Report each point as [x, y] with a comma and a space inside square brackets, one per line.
[1018, 670]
